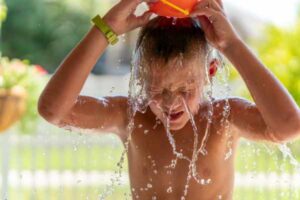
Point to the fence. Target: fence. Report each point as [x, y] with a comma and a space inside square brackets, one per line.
[57, 164]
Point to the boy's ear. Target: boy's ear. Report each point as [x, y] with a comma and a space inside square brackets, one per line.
[213, 67]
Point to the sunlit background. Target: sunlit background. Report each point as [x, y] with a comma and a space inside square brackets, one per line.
[40, 161]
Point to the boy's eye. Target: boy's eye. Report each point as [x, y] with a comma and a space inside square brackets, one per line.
[186, 92]
[153, 93]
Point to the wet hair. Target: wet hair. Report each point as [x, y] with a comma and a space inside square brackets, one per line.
[167, 38]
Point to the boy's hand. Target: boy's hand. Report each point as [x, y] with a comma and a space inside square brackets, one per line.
[121, 17]
[217, 28]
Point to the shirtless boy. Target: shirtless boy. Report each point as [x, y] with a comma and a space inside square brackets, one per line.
[274, 116]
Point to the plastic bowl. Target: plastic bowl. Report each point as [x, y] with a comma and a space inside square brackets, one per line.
[173, 8]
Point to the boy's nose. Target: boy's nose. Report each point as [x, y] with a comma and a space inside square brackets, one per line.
[171, 102]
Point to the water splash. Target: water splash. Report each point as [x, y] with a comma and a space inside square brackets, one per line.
[172, 141]
[116, 177]
[209, 96]
[221, 82]
[174, 21]
[287, 154]
[139, 101]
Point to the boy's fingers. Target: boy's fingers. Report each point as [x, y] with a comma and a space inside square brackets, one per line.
[143, 19]
[211, 14]
[131, 5]
[220, 2]
[204, 22]
[206, 25]
[135, 3]
[209, 4]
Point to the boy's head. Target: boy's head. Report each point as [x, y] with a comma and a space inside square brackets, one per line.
[172, 61]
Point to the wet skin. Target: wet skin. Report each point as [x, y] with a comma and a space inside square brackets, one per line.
[150, 154]
[150, 151]
[173, 95]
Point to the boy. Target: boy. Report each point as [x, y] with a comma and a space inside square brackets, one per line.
[172, 90]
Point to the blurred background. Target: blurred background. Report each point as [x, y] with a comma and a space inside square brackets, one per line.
[39, 161]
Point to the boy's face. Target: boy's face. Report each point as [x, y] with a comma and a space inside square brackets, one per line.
[174, 88]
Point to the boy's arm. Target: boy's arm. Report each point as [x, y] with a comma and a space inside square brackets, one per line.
[60, 102]
[247, 121]
[107, 115]
[275, 109]
[274, 105]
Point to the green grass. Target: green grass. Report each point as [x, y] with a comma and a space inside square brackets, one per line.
[76, 193]
[262, 158]
[82, 158]
[265, 194]
[250, 158]
[84, 193]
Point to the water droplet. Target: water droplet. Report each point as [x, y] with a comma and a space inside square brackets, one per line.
[228, 154]
[169, 190]
[112, 89]
[174, 21]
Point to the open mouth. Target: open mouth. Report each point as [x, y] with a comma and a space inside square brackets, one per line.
[175, 116]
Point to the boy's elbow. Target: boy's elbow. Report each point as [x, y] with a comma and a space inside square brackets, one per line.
[291, 133]
[295, 131]
[294, 128]
[47, 113]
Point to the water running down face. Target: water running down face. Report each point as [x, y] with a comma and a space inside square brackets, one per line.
[169, 71]
[174, 87]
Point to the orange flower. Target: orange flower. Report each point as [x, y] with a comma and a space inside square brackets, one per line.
[40, 70]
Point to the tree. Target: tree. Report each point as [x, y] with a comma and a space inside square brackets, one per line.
[43, 32]
[3, 11]
[280, 51]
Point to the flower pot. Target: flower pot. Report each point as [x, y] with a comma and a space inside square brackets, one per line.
[12, 106]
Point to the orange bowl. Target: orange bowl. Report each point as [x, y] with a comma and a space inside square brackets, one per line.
[167, 8]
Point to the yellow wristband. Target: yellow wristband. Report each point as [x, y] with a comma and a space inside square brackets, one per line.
[105, 29]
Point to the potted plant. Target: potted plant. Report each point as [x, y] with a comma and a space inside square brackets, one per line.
[20, 87]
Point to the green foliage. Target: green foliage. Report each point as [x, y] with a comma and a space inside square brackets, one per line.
[3, 11]
[281, 53]
[43, 32]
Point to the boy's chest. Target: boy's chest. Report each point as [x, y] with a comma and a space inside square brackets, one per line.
[152, 155]
[210, 142]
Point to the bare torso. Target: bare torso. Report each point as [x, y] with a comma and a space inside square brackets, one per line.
[150, 155]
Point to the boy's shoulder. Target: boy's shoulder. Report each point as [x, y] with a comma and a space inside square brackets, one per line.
[232, 102]
[115, 100]
[227, 112]
[226, 106]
